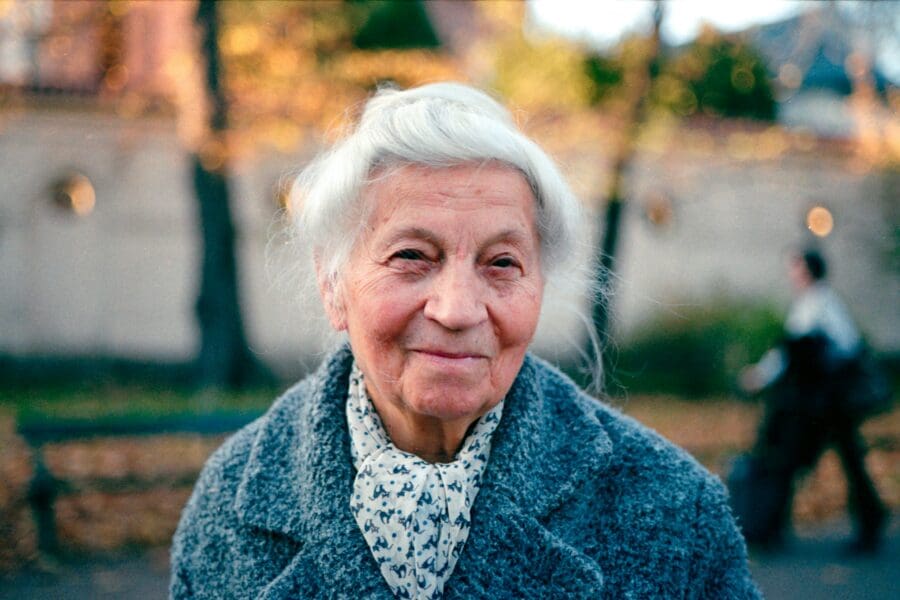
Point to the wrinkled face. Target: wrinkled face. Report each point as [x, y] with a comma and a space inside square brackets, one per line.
[442, 292]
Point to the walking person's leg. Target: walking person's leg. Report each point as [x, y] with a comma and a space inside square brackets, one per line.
[865, 506]
[788, 444]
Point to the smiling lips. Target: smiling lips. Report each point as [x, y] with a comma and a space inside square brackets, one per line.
[447, 355]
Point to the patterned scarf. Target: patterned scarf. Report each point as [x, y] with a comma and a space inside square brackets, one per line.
[413, 514]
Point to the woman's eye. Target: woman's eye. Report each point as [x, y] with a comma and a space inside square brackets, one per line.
[409, 254]
[504, 262]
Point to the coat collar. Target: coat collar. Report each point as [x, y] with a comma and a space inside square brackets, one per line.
[299, 477]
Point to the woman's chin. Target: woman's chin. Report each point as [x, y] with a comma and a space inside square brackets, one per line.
[450, 403]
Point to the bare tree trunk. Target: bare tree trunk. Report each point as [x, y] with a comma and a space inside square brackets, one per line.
[638, 81]
[224, 359]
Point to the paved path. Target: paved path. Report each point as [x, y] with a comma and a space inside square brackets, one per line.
[813, 567]
[810, 569]
[141, 576]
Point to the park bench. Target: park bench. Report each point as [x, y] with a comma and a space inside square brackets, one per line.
[45, 487]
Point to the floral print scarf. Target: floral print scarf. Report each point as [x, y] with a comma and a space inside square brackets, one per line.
[413, 514]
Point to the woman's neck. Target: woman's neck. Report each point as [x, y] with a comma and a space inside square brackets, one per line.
[433, 440]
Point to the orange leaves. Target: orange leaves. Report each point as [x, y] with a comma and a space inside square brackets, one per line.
[290, 69]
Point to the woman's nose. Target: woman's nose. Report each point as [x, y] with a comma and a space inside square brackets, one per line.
[456, 299]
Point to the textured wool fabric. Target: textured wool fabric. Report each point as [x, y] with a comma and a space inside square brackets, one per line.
[413, 514]
[577, 501]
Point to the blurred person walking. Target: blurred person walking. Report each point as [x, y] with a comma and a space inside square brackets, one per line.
[815, 381]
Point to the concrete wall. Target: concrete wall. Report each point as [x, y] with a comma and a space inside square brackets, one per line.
[116, 281]
[122, 280]
[735, 222]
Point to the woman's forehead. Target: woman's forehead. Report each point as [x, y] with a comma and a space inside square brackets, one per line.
[462, 186]
[412, 196]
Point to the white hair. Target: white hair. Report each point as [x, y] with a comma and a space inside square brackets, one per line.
[437, 125]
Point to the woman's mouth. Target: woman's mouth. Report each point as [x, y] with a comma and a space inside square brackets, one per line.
[448, 354]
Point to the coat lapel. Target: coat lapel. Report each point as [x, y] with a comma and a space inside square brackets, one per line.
[297, 483]
[299, 477]
[545, 450]
[511, 555]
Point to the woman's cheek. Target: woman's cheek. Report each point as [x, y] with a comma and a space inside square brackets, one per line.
[518, 308]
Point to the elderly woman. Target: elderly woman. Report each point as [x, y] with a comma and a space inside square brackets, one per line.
[432, 456]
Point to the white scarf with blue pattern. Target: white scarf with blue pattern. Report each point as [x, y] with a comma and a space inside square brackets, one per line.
[413, 514]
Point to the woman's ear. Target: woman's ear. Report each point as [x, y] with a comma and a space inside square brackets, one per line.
[331, 298]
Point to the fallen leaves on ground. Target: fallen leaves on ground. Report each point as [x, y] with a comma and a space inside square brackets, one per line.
[156, 473]
[716, 431]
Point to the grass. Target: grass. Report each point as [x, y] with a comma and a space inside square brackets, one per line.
[93, 402]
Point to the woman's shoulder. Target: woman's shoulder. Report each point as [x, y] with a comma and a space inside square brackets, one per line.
[635, 449]
[228, 461]
[645, 494]
[225, 466]
[284, 421]
[210, 516]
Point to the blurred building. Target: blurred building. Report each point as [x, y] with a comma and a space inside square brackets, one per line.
[97, 223]
[98, 234]
[818, 59]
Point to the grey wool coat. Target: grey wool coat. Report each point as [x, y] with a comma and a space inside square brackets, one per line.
[577, 501]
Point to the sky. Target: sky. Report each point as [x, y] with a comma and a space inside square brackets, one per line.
[602, 22]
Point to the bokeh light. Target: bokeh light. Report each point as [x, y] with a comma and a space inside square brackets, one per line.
[819, 221]
[75, 192]
[658, 209]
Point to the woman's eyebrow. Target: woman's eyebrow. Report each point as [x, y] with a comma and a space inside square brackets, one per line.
[413, 232]
[516, 237]
[513, 236]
